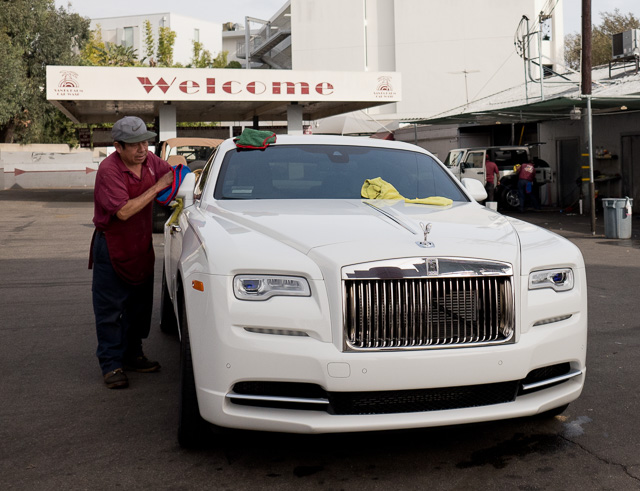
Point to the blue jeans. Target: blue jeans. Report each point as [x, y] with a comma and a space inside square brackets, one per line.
[122, 311]
[522, 195]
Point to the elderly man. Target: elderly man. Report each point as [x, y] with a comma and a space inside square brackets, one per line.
[122, 254]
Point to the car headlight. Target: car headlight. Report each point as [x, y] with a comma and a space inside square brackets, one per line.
[560, 279]
[263, 287]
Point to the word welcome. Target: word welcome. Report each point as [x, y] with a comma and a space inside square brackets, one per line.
[234, 87]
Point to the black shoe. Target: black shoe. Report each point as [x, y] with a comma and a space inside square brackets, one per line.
[141, 364]
[116, 379]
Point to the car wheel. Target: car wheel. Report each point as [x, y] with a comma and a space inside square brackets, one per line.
[160, 216]
[192, 429]
[511, 198]
[168, 321]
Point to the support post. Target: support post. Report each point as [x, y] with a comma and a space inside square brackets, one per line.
[294, 119]
[247, 39]
[167, 122]
[592, 184]
[586, 93]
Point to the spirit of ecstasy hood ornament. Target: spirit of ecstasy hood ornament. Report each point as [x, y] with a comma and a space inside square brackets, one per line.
[425, 229]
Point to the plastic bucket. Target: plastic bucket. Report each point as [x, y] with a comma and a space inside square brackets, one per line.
[617, 217]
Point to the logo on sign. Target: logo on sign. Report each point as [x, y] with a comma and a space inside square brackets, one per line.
[384, 89]
[68, 84]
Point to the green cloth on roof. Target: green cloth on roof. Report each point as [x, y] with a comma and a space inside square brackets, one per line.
[251, 138]
[380, 189]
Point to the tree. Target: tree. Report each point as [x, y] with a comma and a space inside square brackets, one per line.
[201, 57]
[149, 43]
[166, 39]
[220, 61]
[93, 51]
[33, 34]
[611, 23]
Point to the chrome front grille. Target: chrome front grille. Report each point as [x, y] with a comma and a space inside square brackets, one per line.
[459, 305]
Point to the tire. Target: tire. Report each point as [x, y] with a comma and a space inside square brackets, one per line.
[192, 429]
[511, 199]
[160, 217]
[168, 321]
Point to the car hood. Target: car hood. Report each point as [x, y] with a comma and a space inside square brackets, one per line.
[354, 231]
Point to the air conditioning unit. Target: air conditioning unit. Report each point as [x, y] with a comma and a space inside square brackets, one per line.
[626, 44]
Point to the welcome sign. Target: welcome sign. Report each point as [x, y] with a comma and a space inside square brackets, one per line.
[201, 84]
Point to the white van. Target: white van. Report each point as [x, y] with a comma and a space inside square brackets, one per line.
[470, 162]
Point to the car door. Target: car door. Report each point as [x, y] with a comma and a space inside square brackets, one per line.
[473, 166]
[454, 157]
[174, 232]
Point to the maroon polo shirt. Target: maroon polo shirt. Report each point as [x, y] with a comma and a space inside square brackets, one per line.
[491, 171]
[129, 241]
[111, 190]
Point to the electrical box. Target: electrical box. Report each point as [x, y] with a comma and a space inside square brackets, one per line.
[626, 44]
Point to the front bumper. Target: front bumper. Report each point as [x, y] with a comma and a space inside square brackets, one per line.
[249, 349]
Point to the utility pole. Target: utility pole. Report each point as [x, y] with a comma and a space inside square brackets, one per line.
[586, 94]
[466, 87]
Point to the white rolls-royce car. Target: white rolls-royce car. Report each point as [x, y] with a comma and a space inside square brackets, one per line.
[303, 307]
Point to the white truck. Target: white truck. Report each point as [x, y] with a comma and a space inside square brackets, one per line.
[470, 163]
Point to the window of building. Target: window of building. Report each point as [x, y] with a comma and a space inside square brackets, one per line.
[196, 35]
[128, 37]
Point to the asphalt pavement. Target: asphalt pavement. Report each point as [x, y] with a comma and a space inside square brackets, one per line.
[60, 428]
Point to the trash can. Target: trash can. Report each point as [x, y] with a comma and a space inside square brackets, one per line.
[617, 217]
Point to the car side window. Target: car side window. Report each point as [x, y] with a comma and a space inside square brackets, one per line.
[201, 180]
[453, 158]
[475, 160]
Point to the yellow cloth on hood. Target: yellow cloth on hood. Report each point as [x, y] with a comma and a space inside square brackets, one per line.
[380, 189]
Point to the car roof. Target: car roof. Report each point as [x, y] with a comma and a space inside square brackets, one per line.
[493, 147]
[337, 140]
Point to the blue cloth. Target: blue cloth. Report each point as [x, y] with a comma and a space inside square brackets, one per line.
[165, 196]
[122, 311]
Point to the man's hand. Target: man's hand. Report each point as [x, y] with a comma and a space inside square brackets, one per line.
[134, 205]
[165, 181]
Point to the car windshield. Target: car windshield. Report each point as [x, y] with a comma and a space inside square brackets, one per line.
[329, 172]
[506, 159]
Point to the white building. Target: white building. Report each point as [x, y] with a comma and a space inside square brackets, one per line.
[129, 31]
[449, 53]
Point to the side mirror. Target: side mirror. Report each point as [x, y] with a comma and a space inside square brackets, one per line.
[473, 187]
[186, 189]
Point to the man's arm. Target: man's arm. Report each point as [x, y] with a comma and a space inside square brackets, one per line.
[135, 205]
